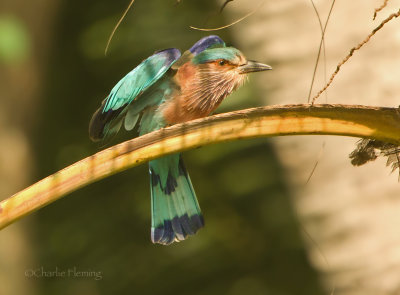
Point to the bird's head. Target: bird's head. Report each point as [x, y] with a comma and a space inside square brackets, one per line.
[225, 66]
[209, 71]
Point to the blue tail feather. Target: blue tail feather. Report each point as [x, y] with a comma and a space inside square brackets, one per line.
[175, 211]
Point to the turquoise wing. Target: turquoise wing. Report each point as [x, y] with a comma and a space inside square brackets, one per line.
[107, 120]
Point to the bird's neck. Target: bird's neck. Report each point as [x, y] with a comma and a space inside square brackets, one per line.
[201, 91]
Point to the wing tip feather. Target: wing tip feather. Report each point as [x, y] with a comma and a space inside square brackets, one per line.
[96, 126]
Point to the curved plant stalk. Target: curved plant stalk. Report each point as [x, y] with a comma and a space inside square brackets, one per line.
[349, 120]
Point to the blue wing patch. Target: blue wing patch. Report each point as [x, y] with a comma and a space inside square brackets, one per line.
[107, 119]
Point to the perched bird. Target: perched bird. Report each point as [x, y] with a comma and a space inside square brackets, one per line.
[165, 89]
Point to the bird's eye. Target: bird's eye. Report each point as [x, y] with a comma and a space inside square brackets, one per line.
[221, 62]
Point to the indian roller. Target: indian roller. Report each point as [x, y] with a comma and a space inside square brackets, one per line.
[165, 89]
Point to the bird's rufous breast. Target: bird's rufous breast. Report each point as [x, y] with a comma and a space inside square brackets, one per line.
[178, 108]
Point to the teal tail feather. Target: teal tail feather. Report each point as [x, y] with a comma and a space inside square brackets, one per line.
[175, 211]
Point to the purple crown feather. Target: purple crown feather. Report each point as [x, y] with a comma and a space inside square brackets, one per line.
[205, 43]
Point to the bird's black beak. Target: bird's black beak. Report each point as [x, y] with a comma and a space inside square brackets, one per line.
[253, 66]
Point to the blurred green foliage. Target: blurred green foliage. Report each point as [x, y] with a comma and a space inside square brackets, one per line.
[14, 40]
[251, 242]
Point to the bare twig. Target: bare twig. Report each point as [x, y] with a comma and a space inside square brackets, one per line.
[231, 24]
[321, 43]
[316, 162]
[380, 8]
[117, 25]
[224, 5]
[390, 17]
[360, 121]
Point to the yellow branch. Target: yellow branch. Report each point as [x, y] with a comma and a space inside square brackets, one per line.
[359, 121]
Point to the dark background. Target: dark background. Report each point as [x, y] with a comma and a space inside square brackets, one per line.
[251, 243]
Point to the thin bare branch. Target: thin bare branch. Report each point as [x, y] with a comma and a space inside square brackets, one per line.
[385, 2]
[117, 25]
[321, 43]
[224, 5]
[321, 46]
[231, 24]
[316, 162]
[390, 17]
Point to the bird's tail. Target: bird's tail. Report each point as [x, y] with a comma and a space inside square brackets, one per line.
[175, 211]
